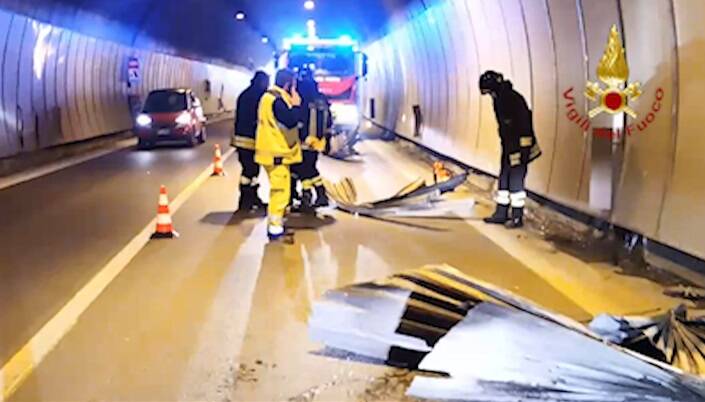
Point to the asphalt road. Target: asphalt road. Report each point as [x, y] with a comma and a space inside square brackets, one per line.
[59, 229]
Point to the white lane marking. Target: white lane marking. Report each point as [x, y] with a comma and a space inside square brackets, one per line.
[21, 365]
[52, 167]
[21, 177]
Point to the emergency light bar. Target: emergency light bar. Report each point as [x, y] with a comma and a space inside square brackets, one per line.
[315, 41]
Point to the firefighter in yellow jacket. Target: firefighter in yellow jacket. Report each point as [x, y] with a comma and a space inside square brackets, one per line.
[277, 145]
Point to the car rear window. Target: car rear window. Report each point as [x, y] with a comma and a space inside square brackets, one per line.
[165, 102]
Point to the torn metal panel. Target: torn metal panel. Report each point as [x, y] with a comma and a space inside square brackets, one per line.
[676, 338]
[342, 145]
[491, 344]
[414, 199]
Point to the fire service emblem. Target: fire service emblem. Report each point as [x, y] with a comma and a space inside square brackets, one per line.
[614, 73]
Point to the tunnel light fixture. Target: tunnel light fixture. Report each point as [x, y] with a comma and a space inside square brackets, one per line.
[144, 120]
[240, 16]
[309, 5]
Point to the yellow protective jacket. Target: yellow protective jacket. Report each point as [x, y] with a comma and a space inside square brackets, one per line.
[275, 144]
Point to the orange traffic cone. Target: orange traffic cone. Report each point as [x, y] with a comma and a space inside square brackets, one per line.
[165, 228]
[218, 162]
[440, 173]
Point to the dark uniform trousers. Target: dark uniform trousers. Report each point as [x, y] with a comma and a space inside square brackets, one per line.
[250, 169]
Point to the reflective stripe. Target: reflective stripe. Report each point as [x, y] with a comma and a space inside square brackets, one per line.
[244, 142]
[245, 181]
[313, 122]
[526, 141]
[275, 229]
[502, 197]
[307, 184]
[535, 152]
[514, 159]
[518, 199]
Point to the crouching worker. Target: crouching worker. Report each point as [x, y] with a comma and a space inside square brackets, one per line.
[244, 141]
[277, 145]
[519, 148]
[316, 124]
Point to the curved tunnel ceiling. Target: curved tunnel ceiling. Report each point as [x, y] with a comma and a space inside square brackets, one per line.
[206, 29]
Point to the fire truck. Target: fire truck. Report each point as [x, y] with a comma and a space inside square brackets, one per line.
[337, 66]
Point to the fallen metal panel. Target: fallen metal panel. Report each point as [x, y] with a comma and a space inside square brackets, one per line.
[676, 338]
[492, 344]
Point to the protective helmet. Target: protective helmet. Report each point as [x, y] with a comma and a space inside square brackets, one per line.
[490, 81]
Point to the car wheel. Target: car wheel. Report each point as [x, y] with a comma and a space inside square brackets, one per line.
[203, 136]
[192, 140]
[144, 144]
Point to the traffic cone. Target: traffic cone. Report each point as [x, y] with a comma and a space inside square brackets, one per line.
[165, 228]
[218, 162]
[440, 173]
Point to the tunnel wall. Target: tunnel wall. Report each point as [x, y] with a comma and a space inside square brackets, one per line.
[549, 49]
[58, 86]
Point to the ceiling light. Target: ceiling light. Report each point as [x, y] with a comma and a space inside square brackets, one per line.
[240, 16]
[309, 5]
[265, 39]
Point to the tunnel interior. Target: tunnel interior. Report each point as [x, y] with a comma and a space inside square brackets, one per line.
[100, 299]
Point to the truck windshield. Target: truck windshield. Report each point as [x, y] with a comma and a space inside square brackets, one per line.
[336, 61]
[165, 102]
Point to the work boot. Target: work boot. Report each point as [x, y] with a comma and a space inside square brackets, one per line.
[307, 201]
[280, 234]
[256, 201]
[517, 219]
[246, 201]
[321, 198]
[500, 216]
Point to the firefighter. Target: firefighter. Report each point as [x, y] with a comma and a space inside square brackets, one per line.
[314, 134]
[519, 148]
[277, 145]
[244, 141]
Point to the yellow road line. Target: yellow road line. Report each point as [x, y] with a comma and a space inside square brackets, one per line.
[21, 365]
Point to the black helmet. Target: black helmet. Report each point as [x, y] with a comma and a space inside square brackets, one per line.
[490, 81]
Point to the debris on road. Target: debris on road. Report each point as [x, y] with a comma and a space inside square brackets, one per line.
[413, 200]
[676, 338]
[485, 343]
[686, 292]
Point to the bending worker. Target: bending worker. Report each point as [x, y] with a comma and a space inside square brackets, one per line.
[519, 148]
[277, 145]
[244, 141]
[316, 124]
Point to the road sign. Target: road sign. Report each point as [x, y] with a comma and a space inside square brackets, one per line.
[133, 70]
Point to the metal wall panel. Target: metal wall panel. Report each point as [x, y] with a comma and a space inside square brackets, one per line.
[469, 69]
[566, 169]
[25, 81]
[649, 36]
[684, 212]
[62, 86]
[6, 145]
[50, 124]
[10, 78]
[545, 98]
[89, 65]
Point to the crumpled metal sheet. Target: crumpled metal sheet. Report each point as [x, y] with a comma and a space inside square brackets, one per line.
[676, 338]
[490, 344]
[342, 145]
[413, 197]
